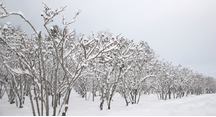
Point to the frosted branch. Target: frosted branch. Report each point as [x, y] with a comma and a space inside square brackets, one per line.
[7, 14]
[50, 14]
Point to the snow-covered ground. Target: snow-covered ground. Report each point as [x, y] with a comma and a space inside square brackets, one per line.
[149, 105]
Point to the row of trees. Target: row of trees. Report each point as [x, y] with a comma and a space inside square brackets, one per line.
[134, 70]
[46, 69]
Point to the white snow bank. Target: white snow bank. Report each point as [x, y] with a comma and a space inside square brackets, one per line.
[149, 105]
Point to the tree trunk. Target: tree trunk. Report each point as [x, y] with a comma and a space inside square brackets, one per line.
[2, 93]
[55, 91]
[93, 92]
[125, 97]
[138, 98]
[44, 75]
[41, 87]
[11, 96]
[169, 95]
[102, 98]
[59, 98]
[102, 102]
[32, 104]
[66, 103]
[20, 102]
[93, 95]
[110, 98]
[132, 98]
[21, 95]
[162, 95]
[36, 99]
[42, 99]
[135, 96]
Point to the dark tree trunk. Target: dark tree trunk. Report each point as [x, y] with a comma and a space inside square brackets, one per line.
[101, 104]
[102, 99]
[59, 98]
[66, 103]
[36, 99]
[139, 97]
[169, 92]
[135, 93]
[93, 92]
[32, 104]
[125, 99]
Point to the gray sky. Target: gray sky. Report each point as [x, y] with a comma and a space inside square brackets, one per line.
[180, 31]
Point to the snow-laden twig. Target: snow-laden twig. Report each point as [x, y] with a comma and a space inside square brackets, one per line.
[73, 20]
[18, 71]
[19, 13]
[50, 14]
[146, 77]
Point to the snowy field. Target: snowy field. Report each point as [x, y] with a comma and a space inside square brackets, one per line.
[149, 105]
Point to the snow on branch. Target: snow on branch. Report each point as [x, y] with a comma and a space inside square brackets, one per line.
[143, 79]
[73, 20]
[125, 71]
[5, 13]
[50, 14]
[17, 71]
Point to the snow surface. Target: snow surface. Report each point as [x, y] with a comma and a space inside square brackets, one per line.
[149, 105]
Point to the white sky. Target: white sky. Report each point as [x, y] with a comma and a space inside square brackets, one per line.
[180, 31]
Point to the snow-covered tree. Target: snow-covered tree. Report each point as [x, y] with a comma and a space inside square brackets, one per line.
[47, 67]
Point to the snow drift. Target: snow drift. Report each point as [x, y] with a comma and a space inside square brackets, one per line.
[202, 105]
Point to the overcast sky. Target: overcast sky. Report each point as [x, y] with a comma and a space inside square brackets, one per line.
[180, 31]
